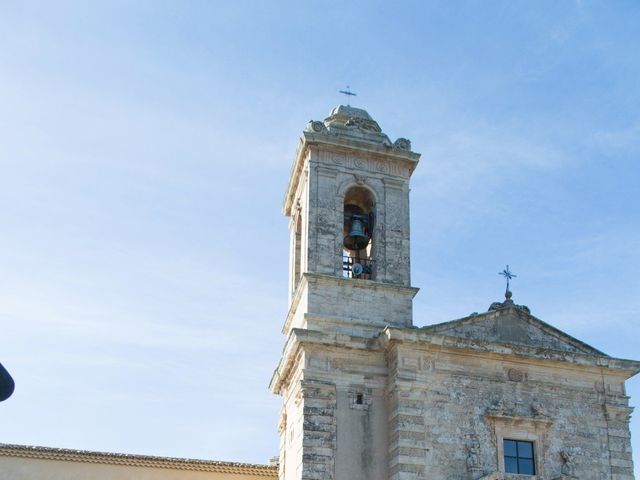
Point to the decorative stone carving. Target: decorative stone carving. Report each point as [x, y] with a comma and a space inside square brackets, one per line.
[360, 180]
[338, 158]
[473, 454]
[501, 407]
[568, 469]
[516, 375]
[538, 410]
[370, 165]
[402, 144]
[410, 362]
[508, 303]
[316, 126]
[363, 124]
[427, 364]
[495, 306]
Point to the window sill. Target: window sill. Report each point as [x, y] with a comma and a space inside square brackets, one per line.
[509, 476]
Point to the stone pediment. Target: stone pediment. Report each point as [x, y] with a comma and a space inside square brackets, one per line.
[513, 325]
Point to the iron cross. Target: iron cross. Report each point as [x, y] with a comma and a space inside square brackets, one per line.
[506, 273]
[348, 93]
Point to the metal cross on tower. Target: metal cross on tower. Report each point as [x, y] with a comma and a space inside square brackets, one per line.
[348, 93]
[506, 273]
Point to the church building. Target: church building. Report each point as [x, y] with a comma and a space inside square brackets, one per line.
[366, 395]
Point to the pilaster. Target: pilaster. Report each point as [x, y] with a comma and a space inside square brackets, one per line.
[407, 426]
[407, 432]
[319, 431]
[617, 414]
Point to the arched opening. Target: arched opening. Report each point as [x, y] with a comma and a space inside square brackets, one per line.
[357, 233]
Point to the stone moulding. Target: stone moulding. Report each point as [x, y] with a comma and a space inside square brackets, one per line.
[415, 335]
[84, 456]
[317, 278]
[332, 320]
[368, 284]
[505, 476]
[338, 144]
[297, 295]
[515, 476]
[301, 336]
[517, 419]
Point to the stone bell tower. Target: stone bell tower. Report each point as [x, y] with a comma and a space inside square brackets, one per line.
[348, 201]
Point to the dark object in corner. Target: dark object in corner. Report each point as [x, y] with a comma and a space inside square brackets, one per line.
[6, 384]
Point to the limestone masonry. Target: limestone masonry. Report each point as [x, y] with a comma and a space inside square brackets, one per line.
[367, 396]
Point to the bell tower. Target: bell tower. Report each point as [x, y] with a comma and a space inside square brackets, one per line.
[349, 278]
[348, 201]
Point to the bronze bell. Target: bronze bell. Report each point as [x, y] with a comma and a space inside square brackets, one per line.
[356, 239]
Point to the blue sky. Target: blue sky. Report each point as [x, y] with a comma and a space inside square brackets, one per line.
[144, 152]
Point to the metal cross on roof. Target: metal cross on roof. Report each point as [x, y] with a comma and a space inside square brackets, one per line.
[348, 93]
[506, 273]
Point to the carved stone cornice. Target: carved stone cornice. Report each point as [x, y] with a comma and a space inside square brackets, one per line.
[318, 278]
[298, 337]
[362, 284]
[618, 412]
[424, 337]
[510, 417]
[337, 143]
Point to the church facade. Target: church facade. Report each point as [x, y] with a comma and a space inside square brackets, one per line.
[367, 396]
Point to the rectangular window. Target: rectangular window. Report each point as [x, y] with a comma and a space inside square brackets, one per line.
[518, 457]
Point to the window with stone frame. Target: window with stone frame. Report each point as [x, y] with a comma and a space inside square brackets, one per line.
[519, 457]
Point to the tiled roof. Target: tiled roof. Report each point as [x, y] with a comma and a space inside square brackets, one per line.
[84, 456]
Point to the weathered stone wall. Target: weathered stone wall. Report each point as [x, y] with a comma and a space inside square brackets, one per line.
[472, 402]
[413, 410]
[376, 304]
[319, 431]
[352, 306]
[342, 401]
[358, 408]
[408, 444]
